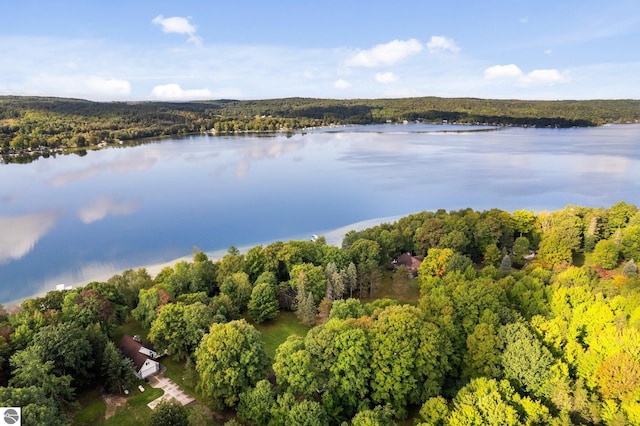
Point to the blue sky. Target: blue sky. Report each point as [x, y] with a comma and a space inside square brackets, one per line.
[188, 49]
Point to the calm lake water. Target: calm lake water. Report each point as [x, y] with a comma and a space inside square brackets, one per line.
[71, 219]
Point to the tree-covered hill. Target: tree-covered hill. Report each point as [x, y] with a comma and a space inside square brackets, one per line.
[45, 124]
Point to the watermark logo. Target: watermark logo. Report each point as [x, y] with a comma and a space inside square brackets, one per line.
[11, 416]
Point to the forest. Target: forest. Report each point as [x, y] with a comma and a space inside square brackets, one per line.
[520, 317]
[38, 126]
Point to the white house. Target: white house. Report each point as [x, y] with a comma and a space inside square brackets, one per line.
[143, 357]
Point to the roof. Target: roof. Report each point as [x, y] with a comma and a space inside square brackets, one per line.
[131, 349]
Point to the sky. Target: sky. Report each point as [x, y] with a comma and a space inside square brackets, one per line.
[212, 49]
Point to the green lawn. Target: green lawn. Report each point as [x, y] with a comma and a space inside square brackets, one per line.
[406, 291]
[130, 327]
[93, 409]
[276, 331]
[133, 412]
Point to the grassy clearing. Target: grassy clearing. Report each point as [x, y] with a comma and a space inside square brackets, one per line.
[133, 412]
[276, 331]
[130, 327]
[403, 290]
[93, 409]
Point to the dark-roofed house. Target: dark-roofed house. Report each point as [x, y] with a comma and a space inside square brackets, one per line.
[412, 263]
[144, 359]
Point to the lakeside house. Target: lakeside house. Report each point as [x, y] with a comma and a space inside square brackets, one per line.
[142, 355]
[412, 263]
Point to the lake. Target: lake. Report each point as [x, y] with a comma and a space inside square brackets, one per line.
[71, 219]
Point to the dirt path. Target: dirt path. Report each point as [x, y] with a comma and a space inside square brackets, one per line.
[113, 402]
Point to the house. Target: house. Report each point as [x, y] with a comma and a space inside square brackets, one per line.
[412, 263]
[143, 356]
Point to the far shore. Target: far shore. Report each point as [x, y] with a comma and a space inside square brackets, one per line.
[332, 237]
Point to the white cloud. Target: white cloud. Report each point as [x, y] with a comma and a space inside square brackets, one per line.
[178, 25]
[551, 76]
[524, 20]
[442, 44]
[386, 77]
[499, 72]
[341, 84]
[548, 52]
[103, 206]
[174, 92]
[513, 73]
[385, 54]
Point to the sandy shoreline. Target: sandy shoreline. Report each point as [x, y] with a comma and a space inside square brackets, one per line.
[333, 237]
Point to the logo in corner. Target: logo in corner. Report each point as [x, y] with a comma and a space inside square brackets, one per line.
[11, 416]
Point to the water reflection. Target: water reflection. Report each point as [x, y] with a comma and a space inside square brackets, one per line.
[103, 206]
[136, 160]
[153, 203]
[19, 234]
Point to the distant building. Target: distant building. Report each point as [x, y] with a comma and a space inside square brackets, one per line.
[142, 355]
[412, 263]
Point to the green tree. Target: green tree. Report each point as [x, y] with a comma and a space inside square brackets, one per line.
[434, 412]
[408, 361]
[525, 360]
[307, 413]
[311, 278]
[255, 262]
[347, 308]
[38, 409]
[306, 309]
[520, 250]
[263, 304]
[169, 413]
[351, 371]
[238, 288]
[223, 309]
[255, 404]
[29, 369]
[231, 263]
[68, 347]
[630, 243]
[606, 254]
[482, 357]
[95, 303]
[179, 328]
[118, 372]
[149, 300]
[364, 250]
[294, 369]
[229, 360]
[492, 255]
[486, 401]
[524, 221]
[436, 262]
[129, 284]
[379, 416]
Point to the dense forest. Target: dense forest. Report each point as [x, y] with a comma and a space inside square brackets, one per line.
[34, 126]
[517, 318]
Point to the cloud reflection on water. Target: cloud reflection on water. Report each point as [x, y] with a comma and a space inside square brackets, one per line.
[21, 233]
[103, 206]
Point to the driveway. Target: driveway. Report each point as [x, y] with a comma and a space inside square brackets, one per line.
[171, 391]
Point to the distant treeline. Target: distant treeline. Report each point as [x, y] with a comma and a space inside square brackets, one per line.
[44, 124]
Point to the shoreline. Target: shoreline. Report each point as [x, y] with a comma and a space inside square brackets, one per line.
[333, 237]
